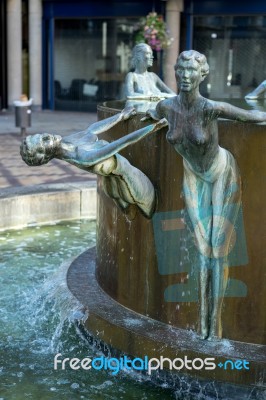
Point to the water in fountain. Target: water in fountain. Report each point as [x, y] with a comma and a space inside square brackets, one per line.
[38, 320]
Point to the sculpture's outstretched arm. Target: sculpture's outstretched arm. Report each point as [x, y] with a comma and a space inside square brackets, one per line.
[156, 114]
[91, 156]
[258, 92]
[105, 124]
[148, 97]
[144, 92]
[163, 87]
[131, 94]
[225, 110]
[102, 126]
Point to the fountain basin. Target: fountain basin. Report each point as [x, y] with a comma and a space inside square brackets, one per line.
[41, 204]
[123, 331]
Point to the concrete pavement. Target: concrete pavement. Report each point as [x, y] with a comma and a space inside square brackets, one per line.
[14, 172]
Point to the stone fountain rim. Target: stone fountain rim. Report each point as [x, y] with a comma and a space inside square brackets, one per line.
[85, 264]
[139, 329]
[23, 206]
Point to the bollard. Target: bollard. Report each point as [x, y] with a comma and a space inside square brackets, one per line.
[23, 113]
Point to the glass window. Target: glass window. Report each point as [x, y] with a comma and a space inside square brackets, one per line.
[91, 59]
[236, 51]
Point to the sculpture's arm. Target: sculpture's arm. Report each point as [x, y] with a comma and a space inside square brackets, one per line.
[132, 94]
[163, 87]
[148, 97]
[258, 92]
[107, 123]
[129, 85]
[100, 126]
[225, 110]
[89, 157]
[157, 114]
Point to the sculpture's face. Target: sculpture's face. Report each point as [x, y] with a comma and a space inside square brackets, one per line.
[188, 75]
[39, 149]
[147, 56]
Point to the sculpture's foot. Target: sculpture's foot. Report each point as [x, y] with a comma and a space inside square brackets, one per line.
[215, 332]
[203, 336]
[213, 338]
[128, 112]
[203, 333]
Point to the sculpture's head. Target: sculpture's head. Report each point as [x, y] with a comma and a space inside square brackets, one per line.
[142, 55]
[39, 149]
[191, 68]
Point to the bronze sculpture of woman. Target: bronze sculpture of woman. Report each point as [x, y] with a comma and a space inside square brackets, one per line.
[124, 183]
[211, 185]
[142, 84]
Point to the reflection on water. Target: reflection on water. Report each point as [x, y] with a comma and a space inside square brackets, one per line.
[38, 316]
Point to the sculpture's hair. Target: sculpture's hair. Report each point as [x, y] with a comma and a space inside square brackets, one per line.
[198, 57]
[33, 150]
[137, 53]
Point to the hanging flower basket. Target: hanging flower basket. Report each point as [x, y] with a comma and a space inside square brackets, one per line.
[153, 30]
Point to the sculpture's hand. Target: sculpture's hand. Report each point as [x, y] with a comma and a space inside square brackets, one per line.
[160, 124]
[251, 96]
[150, 114]
[108, 123]
[128, 112]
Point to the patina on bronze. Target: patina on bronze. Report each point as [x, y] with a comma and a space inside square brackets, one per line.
[211, 185]
[124, 183]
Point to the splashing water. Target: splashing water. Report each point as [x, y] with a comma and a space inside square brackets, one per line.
[38, 320]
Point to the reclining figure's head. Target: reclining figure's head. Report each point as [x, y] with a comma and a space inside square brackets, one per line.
[39, 149]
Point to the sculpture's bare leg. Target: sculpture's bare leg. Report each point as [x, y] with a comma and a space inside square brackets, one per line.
[123, 182]
[226, 203]
[212, 209]
[219, 283]
[127, 185]
[204, 293]
[197, 195]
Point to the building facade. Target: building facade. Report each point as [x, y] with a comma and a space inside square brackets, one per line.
[70, 55]
[232, 34]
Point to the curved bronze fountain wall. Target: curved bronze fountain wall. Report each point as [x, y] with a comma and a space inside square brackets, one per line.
[128, 254]
[132, 252]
